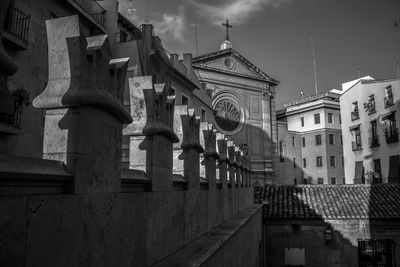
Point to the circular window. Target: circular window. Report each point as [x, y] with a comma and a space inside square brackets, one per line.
[229, 116]
[229, 63]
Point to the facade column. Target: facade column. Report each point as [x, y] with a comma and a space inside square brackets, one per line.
[83, 103]
[191, 149]
[223, 159]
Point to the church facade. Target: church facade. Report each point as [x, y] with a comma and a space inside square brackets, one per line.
[243, 97]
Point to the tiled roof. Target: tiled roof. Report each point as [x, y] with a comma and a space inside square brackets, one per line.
[380, 201]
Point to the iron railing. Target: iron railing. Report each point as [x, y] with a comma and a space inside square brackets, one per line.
[94, 9]
[373, 141]
[17, 24]
[392, 136]
[355, 115]
[356, 146]
[388, 101]
[7, 108]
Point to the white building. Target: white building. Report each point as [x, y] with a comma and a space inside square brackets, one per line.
[370, 109]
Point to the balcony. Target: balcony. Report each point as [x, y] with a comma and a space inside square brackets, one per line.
[94, 9]
[373, 141]
[355, 115]
[11, 109]
[393, 136]
[388, 100]
[7, 108]
[356, 146]
[17, 28]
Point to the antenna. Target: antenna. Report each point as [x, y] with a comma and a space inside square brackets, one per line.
[195, 32]
[147, 13]
[315, 66]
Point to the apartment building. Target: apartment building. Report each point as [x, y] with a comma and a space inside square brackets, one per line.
[310, 141]
[370, 110]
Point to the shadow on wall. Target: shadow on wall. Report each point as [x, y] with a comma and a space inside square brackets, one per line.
[380, 131]
[297, 230]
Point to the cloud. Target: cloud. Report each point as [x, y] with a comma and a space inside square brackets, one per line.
[171, 26]
[237, 11]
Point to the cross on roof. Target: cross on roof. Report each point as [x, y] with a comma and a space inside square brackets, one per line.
[227, 25]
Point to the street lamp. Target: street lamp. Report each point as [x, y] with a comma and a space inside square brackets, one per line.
[328, 233]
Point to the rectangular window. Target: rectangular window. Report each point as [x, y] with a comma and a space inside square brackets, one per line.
[304, 181]
[294, 162]
[294, 256]
[375, 252]
[344, 180]
[340, 119]
[331, 139]
[330, 117]
[388, 100]
[203, 115]
[356, 144]
[378, 171]
[318, 139]
[354, 114]
[341, 139]
[185, 100]
[293, 141]
[319, 161]
[303, 140]
[342, 161]
[374, 139]
[390, 130]
[317, 119]
[302, 121]
[333, 180]
[320, 180]
[304, 163]
[295, 181]
[333, 161]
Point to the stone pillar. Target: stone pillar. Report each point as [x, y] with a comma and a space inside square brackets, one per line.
[151, 134]
[203, 127]
[232, 164]
[223, 159]
[210, 154]
[238, 156]
[191, 149]
[84, 110]
[178, 163]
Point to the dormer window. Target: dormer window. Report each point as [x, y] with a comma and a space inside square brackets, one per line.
[388, 96]
[354, 113]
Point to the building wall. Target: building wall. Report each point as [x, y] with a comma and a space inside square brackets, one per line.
[360, 92]
[342, 250]
[258, 106]
[290, 164]
[32, 74]
[289, 126]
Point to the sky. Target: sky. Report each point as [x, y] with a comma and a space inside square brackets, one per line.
[353, 38]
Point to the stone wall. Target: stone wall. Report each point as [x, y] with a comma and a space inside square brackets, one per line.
[342, 250]
[77, 207]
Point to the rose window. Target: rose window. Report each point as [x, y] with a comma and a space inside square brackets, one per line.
[228, 115]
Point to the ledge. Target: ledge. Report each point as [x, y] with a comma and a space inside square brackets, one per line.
[134, 181]
[9, 129]
[199, 251]
[24, 175]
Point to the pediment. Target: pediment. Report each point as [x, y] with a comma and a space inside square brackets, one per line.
[232, 62]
